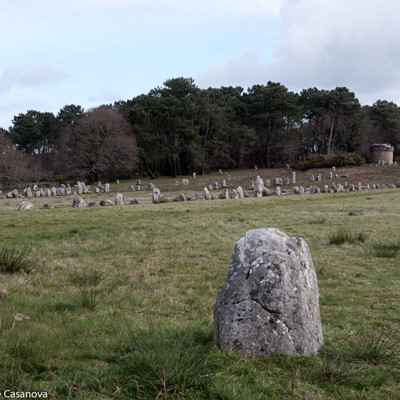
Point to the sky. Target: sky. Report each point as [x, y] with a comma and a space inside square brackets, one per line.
[93, 52]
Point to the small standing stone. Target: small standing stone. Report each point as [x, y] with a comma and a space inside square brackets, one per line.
[224, 194]
[106, 203]
[79, 188]
[258, 187]
[28, 192]
[157, 197]
[239, 191]
[106, 188]
[25, 205]
[119, 199]
[78, 203]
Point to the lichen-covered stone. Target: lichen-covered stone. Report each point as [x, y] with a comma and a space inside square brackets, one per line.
[269, 302]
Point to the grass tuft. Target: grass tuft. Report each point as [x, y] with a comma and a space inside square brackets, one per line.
[167, 363]
[385, 250]
[87, 281]
[17, 260]
[344, 235]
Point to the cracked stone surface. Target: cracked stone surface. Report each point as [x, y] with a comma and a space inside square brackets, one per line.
[269, 303]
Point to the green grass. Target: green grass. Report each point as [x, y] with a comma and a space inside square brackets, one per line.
[122, 304]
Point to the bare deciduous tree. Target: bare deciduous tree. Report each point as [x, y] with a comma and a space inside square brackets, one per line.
[101, 145]
[13, 162]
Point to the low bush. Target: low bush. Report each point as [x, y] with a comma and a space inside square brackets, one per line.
[322, 161]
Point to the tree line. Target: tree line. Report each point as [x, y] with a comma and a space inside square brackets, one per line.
[178, 128]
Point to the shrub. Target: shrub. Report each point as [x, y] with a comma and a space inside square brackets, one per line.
[60, 179]
[322, 161]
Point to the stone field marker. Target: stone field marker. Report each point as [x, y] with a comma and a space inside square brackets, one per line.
[269, 303]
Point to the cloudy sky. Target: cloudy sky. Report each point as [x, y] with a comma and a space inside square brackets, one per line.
[91, 52]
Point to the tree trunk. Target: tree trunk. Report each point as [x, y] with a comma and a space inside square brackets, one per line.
[150, 172]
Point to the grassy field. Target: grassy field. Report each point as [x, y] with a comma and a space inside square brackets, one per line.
[117, 302]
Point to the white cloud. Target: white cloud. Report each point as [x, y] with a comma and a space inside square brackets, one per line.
[209, 8]
[245, 70]
[29, 76]
[339, 43]
[106, 97]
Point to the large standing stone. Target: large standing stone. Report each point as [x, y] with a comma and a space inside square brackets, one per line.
[239, 191]
[106, 188]
[293, 178]
[269, 303]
